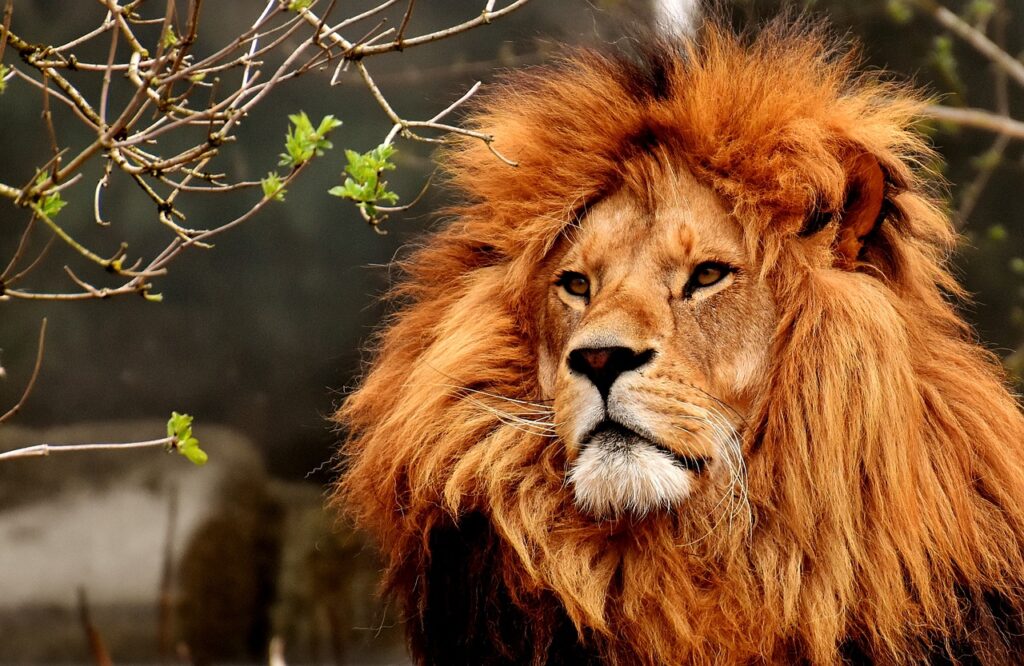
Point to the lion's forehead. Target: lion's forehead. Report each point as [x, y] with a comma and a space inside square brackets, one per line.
[623, 234]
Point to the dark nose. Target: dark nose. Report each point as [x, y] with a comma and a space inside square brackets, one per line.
[603, 365]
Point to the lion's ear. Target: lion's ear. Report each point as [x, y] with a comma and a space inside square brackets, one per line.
[861, 210]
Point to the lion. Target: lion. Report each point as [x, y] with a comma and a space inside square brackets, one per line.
[688, 385]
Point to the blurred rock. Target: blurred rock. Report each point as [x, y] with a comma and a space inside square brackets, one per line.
[253, 558]
[327, 609]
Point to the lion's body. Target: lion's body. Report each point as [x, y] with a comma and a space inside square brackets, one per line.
[884, 455]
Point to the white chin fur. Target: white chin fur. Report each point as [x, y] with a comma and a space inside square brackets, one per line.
[610, 480]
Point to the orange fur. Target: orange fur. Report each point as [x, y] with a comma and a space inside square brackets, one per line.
[885, 454]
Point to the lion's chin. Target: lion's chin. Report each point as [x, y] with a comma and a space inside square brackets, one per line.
[612, 477]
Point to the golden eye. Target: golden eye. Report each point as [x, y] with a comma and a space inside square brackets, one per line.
[706, 275]
[576, 284]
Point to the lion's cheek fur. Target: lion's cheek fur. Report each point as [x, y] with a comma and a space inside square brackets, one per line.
[743, 363]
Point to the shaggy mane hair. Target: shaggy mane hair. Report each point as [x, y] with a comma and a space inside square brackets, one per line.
[885, 456]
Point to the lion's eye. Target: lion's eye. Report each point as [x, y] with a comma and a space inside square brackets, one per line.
[705, 275]
[576, 284]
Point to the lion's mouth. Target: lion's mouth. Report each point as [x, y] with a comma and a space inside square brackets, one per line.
[615, 437]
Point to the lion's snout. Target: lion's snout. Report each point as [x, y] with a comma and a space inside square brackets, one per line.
[603, 365]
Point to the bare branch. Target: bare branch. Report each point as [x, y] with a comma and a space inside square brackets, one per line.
[97, 648]
[457, 103]
[46, 449]
[40, 349]
[405, 22]
[975, 38]
[977, 118]
[35, 262]
[162, 80]
[19, 252]
[8, 13]
[991, 159]
[484, 18]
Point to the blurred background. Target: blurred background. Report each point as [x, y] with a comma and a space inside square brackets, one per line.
[260, 336]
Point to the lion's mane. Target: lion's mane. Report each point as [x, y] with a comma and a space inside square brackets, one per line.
[886, 455]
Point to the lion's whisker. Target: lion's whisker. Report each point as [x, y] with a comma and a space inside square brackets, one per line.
[727, 439]
[727, 495]
[733, 444]
[718, 401]
[534, 427]
[542, 408]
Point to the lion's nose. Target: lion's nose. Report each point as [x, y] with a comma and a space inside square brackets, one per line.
[603, 365]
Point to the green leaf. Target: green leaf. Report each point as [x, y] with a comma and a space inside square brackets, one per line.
[364, 186]
[327, 124]
[3, 81]
[1017, 319]
[51, 203]
[997, 232]
[979, 11]
[169, 39]
[988, 160]
[273, 188]
[899, 11]
[303, 141]
[190, 449]
[298, 5]
[944, 61]
[179, 426]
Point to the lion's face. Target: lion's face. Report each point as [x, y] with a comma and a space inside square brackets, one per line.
[657, 330]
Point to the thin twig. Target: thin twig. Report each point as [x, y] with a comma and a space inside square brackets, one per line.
[46, 449]
[8, 13]
[405, 22]
[51, 132]
[977, 118]
[97, 648]
[14, 279]
[975, 38]
[82, 296]
[40, 349]
[457, 103]
[101, 184]
[991, 159]
[20, 251]
[484, 18]
[105, 90]
[104, 27]
[252, 47]
[416, 200]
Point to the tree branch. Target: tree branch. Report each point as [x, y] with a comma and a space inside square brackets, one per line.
[978, 119]
[40, 349]
[46, 449]
[975, 38]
